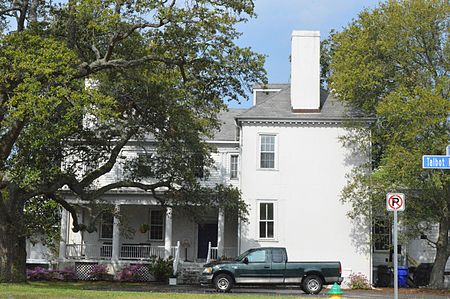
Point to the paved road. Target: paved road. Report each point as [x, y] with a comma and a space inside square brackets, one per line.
[273, 292]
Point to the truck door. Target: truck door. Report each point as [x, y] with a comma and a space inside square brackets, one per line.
[278, 265]
[257, 269]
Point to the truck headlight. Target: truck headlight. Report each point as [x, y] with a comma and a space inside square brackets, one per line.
[207, 270]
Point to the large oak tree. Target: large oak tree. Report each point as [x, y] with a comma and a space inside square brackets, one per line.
[156, 69]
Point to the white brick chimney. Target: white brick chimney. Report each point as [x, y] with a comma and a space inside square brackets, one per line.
[305, 71]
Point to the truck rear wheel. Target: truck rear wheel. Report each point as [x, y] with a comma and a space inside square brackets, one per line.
[312, 284]
[223, 283]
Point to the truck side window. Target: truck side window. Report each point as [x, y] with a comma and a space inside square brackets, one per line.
[258, 256]
[277, 256]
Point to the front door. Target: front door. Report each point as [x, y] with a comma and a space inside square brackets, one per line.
[207, 232]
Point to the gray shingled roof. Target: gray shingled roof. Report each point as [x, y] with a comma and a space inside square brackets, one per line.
[227, 130]
[278, 106]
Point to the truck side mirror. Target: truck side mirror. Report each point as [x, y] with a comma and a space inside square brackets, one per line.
[245, 260]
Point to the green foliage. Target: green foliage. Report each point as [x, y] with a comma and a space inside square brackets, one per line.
[79, 79]
[161, 269]
[399, 44]
[42, 219]
[196, 201]
[392, 62]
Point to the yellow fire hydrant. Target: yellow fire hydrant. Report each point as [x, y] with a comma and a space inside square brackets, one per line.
[335, 292]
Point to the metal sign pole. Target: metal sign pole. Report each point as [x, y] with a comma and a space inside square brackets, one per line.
[394, 236]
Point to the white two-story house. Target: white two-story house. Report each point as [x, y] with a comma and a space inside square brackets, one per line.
[286, 156]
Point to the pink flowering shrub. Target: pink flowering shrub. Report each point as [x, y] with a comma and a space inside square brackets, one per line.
[130, 273]
[358, 281]
[100, 272]
[40, 273]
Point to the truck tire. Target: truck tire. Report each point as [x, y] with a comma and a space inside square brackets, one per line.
[312, 284]
[223, 283]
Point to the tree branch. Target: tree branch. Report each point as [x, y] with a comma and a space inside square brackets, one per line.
[76, 225]
[33, 11]
[22, 15]
[96, 52]
[117, 36]
[8, 10]
[146, 187]
[422, 233]
[7, 141]
[105, 168]
[101, 64]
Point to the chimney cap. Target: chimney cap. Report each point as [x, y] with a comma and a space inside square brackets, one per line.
[306, 33]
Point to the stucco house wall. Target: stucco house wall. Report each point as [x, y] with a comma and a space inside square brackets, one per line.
[310, 220]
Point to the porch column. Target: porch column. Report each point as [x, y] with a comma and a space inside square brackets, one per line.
[63, 234]
[220, 232]
[168, 233]
[116, 238]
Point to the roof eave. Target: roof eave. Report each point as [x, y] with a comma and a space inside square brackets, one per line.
[305, 120]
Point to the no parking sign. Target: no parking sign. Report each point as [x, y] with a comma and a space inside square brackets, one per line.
[395, 202]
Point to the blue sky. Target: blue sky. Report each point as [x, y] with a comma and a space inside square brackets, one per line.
[270, 32]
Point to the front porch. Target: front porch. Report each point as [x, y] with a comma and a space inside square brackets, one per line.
[169, 234]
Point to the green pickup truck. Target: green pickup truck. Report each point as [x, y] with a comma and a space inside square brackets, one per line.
[269, 265]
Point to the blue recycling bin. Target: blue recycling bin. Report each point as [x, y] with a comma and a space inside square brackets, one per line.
[403, 277]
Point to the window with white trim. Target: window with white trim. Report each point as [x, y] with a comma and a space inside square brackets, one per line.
[156, 231]
[106, 226]
[266, 220]
[267, 151]
[234, 166]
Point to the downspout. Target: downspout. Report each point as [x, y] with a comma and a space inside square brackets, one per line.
[239, 137]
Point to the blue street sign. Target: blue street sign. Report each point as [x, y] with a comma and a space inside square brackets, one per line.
[437, 162]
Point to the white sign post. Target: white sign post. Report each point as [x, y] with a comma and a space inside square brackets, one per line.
[395, 202]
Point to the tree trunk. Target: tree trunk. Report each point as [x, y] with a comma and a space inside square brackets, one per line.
[437, 273]
[13, 253]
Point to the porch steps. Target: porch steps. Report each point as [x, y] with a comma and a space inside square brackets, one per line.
[189, 273]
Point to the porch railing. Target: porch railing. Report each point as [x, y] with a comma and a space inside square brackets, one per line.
[127, 251]
[88, 251]
[213, 252]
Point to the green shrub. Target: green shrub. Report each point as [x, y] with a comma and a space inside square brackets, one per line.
[162, 269]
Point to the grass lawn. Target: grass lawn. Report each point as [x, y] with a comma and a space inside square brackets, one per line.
[50, 290]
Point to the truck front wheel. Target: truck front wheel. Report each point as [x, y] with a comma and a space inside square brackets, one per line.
[312, 284]
[223, 283]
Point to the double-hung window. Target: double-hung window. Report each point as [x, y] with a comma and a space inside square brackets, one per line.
[234, 166]
[156, 225]
[266, 220]
[106, 226]
[267, 151]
